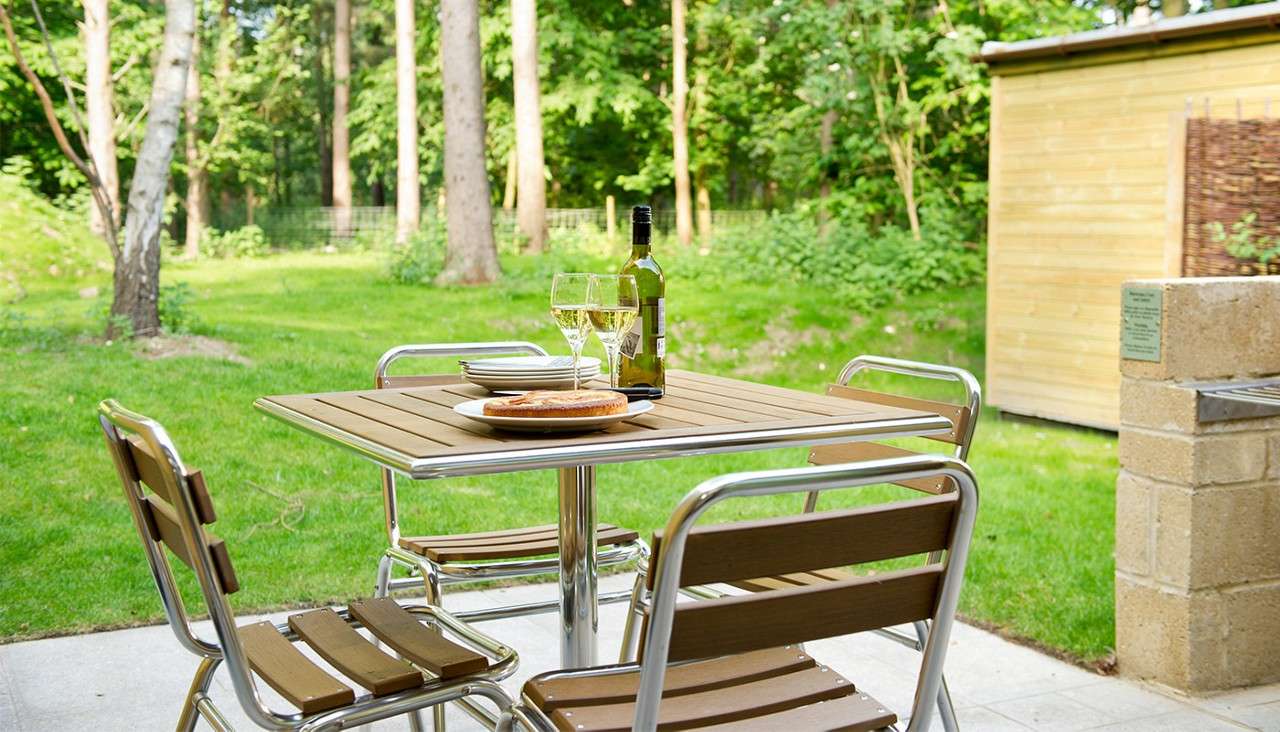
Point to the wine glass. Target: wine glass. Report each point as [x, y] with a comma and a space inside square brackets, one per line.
[569, 309]
[612, 308]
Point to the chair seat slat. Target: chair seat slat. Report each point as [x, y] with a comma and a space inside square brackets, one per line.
[718, 706]
[691, 678]
[290, 673]
[510, 547]
[856, 712]
[424, 646]
[353, 655]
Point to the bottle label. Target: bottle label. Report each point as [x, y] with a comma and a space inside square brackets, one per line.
[662, 347]
[633, 342]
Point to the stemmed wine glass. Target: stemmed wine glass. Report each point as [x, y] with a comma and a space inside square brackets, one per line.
[612, 305]
[569, 309]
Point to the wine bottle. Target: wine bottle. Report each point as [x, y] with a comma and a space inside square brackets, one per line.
[644, 347]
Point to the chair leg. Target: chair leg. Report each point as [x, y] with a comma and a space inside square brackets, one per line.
[506, 722]
[199, 685]
[384, 577]
[630, 630]
[946, 709]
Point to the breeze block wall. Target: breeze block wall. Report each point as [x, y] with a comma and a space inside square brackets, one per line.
[1198, 504]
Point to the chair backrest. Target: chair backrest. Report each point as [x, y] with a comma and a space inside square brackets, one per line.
[963, 415]
[686, 555]
[171, 507]
[383, 380]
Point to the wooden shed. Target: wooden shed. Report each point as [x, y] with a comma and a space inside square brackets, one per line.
[1087, 189]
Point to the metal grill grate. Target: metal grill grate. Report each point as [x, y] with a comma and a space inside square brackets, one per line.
[1220, 402]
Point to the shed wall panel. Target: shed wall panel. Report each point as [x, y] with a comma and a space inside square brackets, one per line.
[1079, 176]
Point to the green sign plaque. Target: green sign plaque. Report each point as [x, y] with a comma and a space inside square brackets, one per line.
[1140, 311]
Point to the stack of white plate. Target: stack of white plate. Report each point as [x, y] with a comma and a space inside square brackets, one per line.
[528, 372]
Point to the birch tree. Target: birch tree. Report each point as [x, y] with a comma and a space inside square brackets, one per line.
[471, 256]
[134, 305]
[531, 187]
[100, 109]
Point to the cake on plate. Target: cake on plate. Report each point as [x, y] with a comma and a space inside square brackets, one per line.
[581, 403]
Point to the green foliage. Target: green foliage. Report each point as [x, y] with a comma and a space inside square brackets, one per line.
[864, 268]
[419, 259]
[176, 315]
[247, 241]
[1244, 241]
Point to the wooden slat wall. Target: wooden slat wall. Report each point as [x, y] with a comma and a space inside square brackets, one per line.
[1079, 176]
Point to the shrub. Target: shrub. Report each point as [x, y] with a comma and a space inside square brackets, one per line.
[864, 267]
[420, 258]
[247, 241]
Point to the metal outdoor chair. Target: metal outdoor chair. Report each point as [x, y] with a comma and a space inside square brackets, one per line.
[171, 508]
[964, 418]
[449, 559]
[740, 668]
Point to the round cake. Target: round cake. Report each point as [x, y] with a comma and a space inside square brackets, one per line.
[581, 403]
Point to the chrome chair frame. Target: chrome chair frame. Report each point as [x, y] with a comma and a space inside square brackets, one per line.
[227, 650]
[765, 483]
[437, 575]
[858, 364]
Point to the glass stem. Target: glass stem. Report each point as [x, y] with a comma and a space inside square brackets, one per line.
[612, 353]
[577, 352]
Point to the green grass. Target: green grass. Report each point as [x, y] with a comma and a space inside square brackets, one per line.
[303, 519]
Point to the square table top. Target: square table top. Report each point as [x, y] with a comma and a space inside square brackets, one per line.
[414, 430]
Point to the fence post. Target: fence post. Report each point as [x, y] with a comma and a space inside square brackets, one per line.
[610, 216]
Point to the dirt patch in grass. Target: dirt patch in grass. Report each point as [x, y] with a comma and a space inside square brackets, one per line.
[780, 338]
[173, 346]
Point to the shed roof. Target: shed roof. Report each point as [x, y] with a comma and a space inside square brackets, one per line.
[1251, 17]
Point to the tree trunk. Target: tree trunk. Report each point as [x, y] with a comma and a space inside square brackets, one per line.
[100, 107]
[704, 210]
[137, 271]
[826, 142]
[408, 195]
[197, 178]
[509, 193]
[904, 171]
[471, 256]
[531, 192]
[680, 123]
[341, 105]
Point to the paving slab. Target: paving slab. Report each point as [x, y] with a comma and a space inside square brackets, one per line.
[135, 679]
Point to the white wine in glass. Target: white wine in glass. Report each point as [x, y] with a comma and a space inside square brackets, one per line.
[613, 306]
[569, 293]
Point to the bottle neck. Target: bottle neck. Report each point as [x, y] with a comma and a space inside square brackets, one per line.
[641, 236]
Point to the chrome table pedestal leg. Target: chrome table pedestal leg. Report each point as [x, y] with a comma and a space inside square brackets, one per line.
[578, 611]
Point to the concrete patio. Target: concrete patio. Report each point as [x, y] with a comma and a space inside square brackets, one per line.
[134, 680]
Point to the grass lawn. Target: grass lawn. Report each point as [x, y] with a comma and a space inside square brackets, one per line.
[303, 520]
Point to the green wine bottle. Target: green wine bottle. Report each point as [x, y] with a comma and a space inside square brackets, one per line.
[644, 347]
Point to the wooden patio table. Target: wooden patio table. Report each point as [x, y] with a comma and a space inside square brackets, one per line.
[415, 432]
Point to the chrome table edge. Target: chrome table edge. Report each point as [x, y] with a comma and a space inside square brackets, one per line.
[601, 453]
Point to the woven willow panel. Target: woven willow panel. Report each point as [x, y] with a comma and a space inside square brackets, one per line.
[1233, 167]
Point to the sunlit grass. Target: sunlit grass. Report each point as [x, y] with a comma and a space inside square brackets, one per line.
[304, 520]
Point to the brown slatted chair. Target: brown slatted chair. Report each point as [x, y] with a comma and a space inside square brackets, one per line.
[171, 509]
[734, 660]
[448, 559]
[964, 420]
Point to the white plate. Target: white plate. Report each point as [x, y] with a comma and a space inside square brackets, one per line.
[530, 363]
[529, 374]
[474, 409]
[507, 382]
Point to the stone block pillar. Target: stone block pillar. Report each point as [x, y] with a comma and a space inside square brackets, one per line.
[1198, 504]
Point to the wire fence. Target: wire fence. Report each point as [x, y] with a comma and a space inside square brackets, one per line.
[300, 227]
